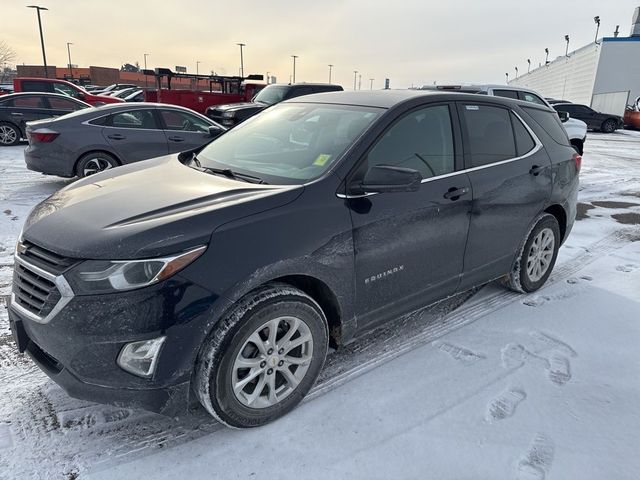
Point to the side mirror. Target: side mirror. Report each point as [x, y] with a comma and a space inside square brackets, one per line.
[564, 116]
[80, 96]
[215, 130]
[387, 178]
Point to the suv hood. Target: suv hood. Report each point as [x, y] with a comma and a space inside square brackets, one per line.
[144, 210]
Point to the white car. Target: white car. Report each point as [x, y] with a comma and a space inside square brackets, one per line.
[576, 129]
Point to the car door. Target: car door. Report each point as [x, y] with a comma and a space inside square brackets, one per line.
[593, 119]
[183, 130]
[409, 246]
[25, 108]
[135, 135]
[510, 174]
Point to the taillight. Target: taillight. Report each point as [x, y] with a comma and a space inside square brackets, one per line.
[578, 159]
[43, 135]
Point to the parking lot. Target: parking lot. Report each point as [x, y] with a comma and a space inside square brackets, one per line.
[488, 384]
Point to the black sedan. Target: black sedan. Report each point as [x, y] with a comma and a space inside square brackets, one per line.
[605, 122]
[19, 108]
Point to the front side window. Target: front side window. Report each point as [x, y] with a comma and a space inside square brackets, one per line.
[66, 90]
[64, 104]
[421, 140]
[489, 134]
[289, 143]
[182, 121]
[506, 93]
[530, 97]
[134, 119]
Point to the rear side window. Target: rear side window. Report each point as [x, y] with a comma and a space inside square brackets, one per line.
[135, 119]
[530, 97]
[36, 86]
[489, 134]
[506, 93]
[524, 141]
[64, 104]
[550, 123]
[99, 121]
[26, 102]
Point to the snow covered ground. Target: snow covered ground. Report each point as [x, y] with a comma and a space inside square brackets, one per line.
[487, 385]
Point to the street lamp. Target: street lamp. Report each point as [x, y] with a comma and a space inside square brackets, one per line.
[268, 78]
[294, 68]
[145, 59]
[69, 53]
[371, 85]
[529, 65]
[241, 58]
[44, 55]
[330, 67]
[198, 62]
[516, 72]
[146, 77]
[566, 39]
[596, 19]
[355, 79]
[360, 81]
[546, 60]
[507, 74]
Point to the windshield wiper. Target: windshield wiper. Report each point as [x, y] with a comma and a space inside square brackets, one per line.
[226, 172]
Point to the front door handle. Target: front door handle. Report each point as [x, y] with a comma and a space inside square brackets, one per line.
[455, 193]
[116, 136]
[535, 170]
[16, 114]
[176, 139]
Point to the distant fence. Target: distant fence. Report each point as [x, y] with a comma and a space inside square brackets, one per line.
[611, 102]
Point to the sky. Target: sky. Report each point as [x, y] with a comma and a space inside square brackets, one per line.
[411, 42]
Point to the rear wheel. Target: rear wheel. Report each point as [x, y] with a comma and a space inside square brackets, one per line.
[537, 256]
[609, 126]
[263, 358]
[9, 134]
[94, 162]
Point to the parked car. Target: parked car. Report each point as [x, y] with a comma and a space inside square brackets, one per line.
[6, 88]
[87, 142]
[226, 271]
[53, 85]
[125, 92]
[234, 113]
[17, 109]
[632, 115]
[135, 96]
[604, 122]
[576, 129]
[114, 87]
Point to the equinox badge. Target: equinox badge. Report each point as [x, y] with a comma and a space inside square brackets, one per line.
[385, 274]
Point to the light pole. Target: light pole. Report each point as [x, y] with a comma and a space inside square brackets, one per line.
[566, 39]
[146, 77]
[44, 55]
[546, 60]
[596, 19]
[198, 62]
[355, 79]
[268, 78]
[359, 81]
[145, 59]
[330, 67]
[529, 65]
[241, 45]
[507, 74]
[294, 68]
[69, 53]
[371, 85]
[516, 72]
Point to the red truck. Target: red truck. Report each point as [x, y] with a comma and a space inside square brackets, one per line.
[217, 89]
[53, 85]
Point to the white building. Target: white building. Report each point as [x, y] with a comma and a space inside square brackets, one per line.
[604, 74]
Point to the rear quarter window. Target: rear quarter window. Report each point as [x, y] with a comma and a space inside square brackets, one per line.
[550, 123]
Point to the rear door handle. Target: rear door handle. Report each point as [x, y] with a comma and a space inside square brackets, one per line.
[455, 193]
[535, 170]
[176, 139]
[116, 136]
[16, 114]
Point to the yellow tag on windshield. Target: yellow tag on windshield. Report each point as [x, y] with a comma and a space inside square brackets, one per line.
[322, 159]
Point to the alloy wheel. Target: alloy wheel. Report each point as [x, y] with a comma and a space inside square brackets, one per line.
[95, 165]
[272, 362]
[8, 135]
[540, 254]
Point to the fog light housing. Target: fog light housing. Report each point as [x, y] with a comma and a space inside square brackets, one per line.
[141, 358]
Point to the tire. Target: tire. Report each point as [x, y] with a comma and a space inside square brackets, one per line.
[238, 351]
[537, 255]
[94, 162]
[9, 134]
[609, 126]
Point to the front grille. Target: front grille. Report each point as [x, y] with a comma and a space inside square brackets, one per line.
[34, 292]
[45, 259]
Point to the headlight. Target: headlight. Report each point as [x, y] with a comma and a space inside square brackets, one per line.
[229, 114]
[104, 276]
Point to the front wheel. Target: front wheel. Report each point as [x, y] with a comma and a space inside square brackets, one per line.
[537, 256]
[263, 358]
[609, 126]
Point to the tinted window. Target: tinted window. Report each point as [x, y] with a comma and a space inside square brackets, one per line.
[298, 92]
[489, 132]
[99, 121]
[64, 104]
[26, 102]
[550, 123]
[506, 93]
[175, 120]
[134, 119]
[530, 97]
[524, 141]
[66, 90]
[422, 140]
[36, 86]
[565, 108]
[271, 94]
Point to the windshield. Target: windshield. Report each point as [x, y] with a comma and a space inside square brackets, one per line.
[271, 94]
[289, 143]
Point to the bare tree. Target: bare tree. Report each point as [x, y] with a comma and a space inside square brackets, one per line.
[7, 54]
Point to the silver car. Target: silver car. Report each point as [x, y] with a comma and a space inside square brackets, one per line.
[91, 140]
